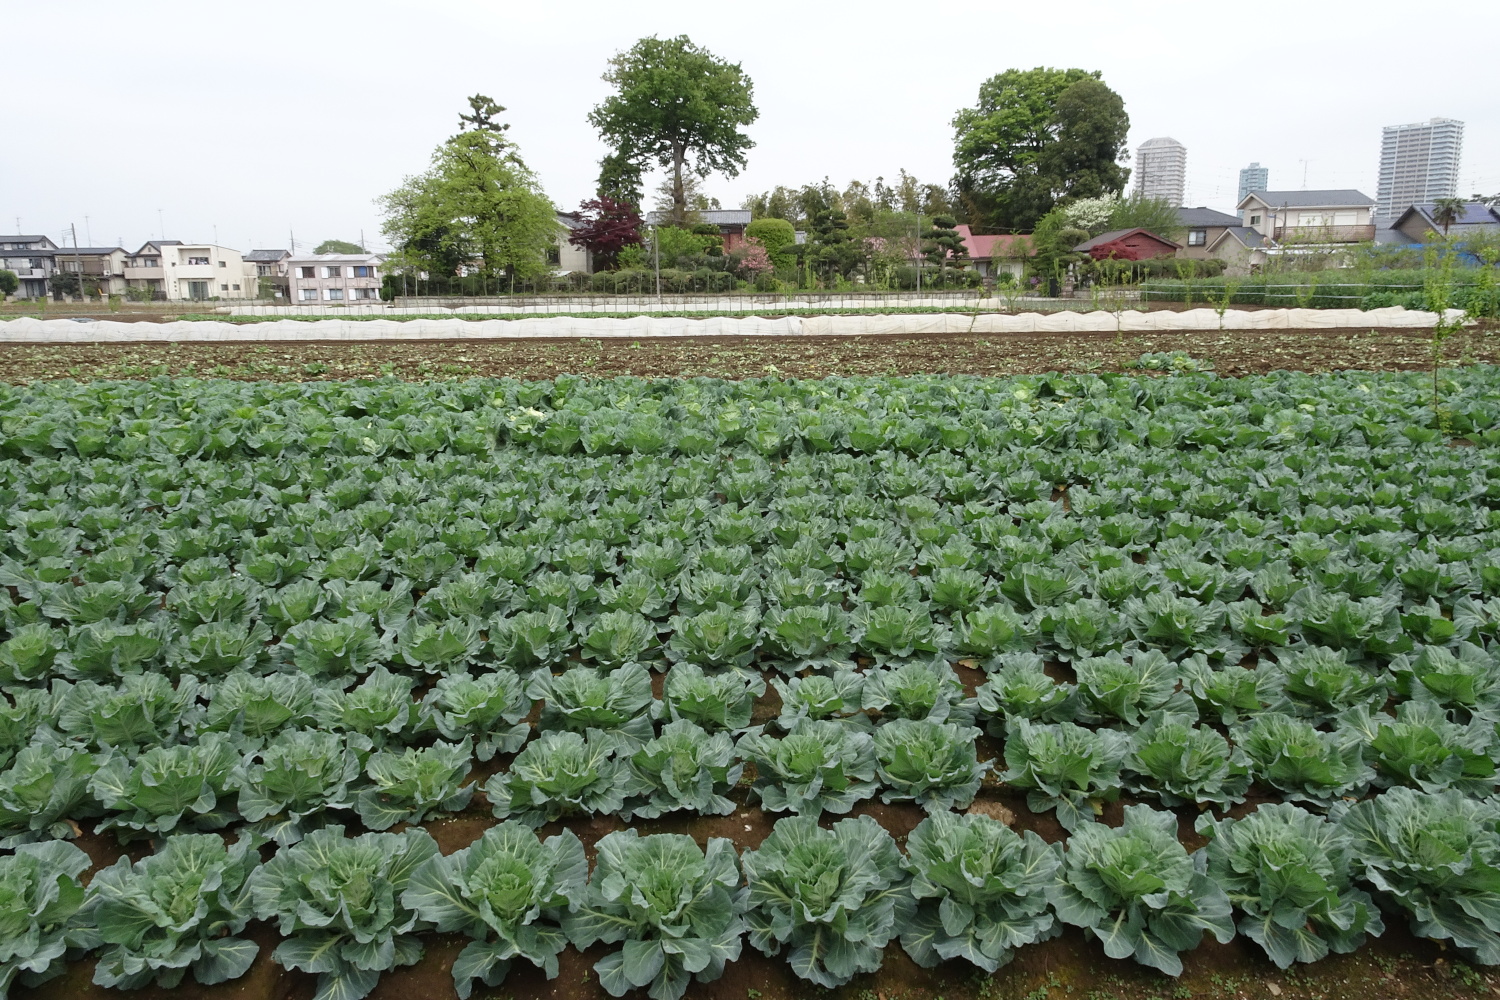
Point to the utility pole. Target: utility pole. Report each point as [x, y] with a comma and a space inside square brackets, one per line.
[160, 225]
[79, 258]
[656, 248]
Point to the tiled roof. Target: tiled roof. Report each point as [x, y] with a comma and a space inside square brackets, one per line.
[1199, 218]
[1311, 199]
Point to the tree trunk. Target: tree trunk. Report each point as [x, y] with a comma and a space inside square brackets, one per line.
[679, 198]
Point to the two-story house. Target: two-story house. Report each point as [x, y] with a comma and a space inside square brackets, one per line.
[1309, 218]
[270, 277]
[334, 277]
[102, 268]
[32, 260]
[1201, 229]
[176, 271]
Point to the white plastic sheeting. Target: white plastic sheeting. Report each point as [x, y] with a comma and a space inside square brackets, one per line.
[55, 331]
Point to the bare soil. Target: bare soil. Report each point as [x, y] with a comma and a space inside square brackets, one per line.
[1232, 353]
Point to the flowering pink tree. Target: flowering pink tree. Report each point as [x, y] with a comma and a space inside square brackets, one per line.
[755, 261]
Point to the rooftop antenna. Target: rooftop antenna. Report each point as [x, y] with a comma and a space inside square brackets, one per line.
[160, 226]
[88, 233]
[1304, 172]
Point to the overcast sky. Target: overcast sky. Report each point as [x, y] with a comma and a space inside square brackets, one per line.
[251, 122]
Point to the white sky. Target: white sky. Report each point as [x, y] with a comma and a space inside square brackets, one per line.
[250, 121]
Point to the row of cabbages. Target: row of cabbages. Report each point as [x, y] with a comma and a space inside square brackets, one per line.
[281, 751]
[831, 899]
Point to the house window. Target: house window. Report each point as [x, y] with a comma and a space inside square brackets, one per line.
[361, 271]
[554, 255]
[308, 272]
[307, 294]
[262, 270]
[198, 262]
[335, 294]
[222, 264]
[366, 293]
[333, 272]
[235, 287]
[1197, 237]
[1254, 220]
[225, 288]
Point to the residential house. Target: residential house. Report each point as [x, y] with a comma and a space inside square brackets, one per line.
[567, 258]
[1242, 249]
[270, 273]
[1309, 218]
[1413, 225]
[334, 277]
[32, 260]
[1202, 227]
[997, 255]
[1127, 244]
[102, 268]
[177, 271]
[731, 223]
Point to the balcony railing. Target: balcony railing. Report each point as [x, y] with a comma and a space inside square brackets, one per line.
[1323, 234]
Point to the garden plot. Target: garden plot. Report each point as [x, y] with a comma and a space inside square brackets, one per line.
[697, 686]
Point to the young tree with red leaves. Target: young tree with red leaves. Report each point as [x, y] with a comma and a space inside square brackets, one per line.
[608, 227]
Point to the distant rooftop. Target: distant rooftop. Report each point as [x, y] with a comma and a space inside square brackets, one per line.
[713, 216]
[1201, 216]
[1311, 199]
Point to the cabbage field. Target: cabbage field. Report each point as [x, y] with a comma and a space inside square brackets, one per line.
[677, 675]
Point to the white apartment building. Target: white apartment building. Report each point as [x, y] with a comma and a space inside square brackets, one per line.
[177, 271]
[1418, 164]
[1161, 170]
[334, 277]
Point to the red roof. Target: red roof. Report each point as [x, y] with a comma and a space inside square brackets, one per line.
[990, 247]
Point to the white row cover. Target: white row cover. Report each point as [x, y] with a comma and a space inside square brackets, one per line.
[52, 331]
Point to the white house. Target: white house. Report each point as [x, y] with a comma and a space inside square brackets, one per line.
[334, 277]
[1309, 217]
[176, 271]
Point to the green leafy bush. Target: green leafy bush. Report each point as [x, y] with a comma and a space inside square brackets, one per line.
[685, 768]
[933, 764]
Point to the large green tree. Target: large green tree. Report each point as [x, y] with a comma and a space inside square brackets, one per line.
[338, 246]
[678, 105]
[1037, 137]
[620, 180]
[478, 206]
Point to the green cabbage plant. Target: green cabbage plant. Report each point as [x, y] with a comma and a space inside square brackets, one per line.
[981, 890]
[1180, 762]
[1064, 767]
[616, 702]
[507, 892]
[299, 776]
[833, 897]
[40, 903]
[412, 784]
[1136, 889]
[820, 766]
[1436, 856]
[486, 708]
[175, 911]
[337, 902]
[1290, 873]
[670, 904]
[722, 700]
[685, 768]
[559, 774]
[930, 763]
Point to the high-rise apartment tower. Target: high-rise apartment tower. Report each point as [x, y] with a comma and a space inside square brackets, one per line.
[1161, 170]
[1418, 164]
[1253, 178]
